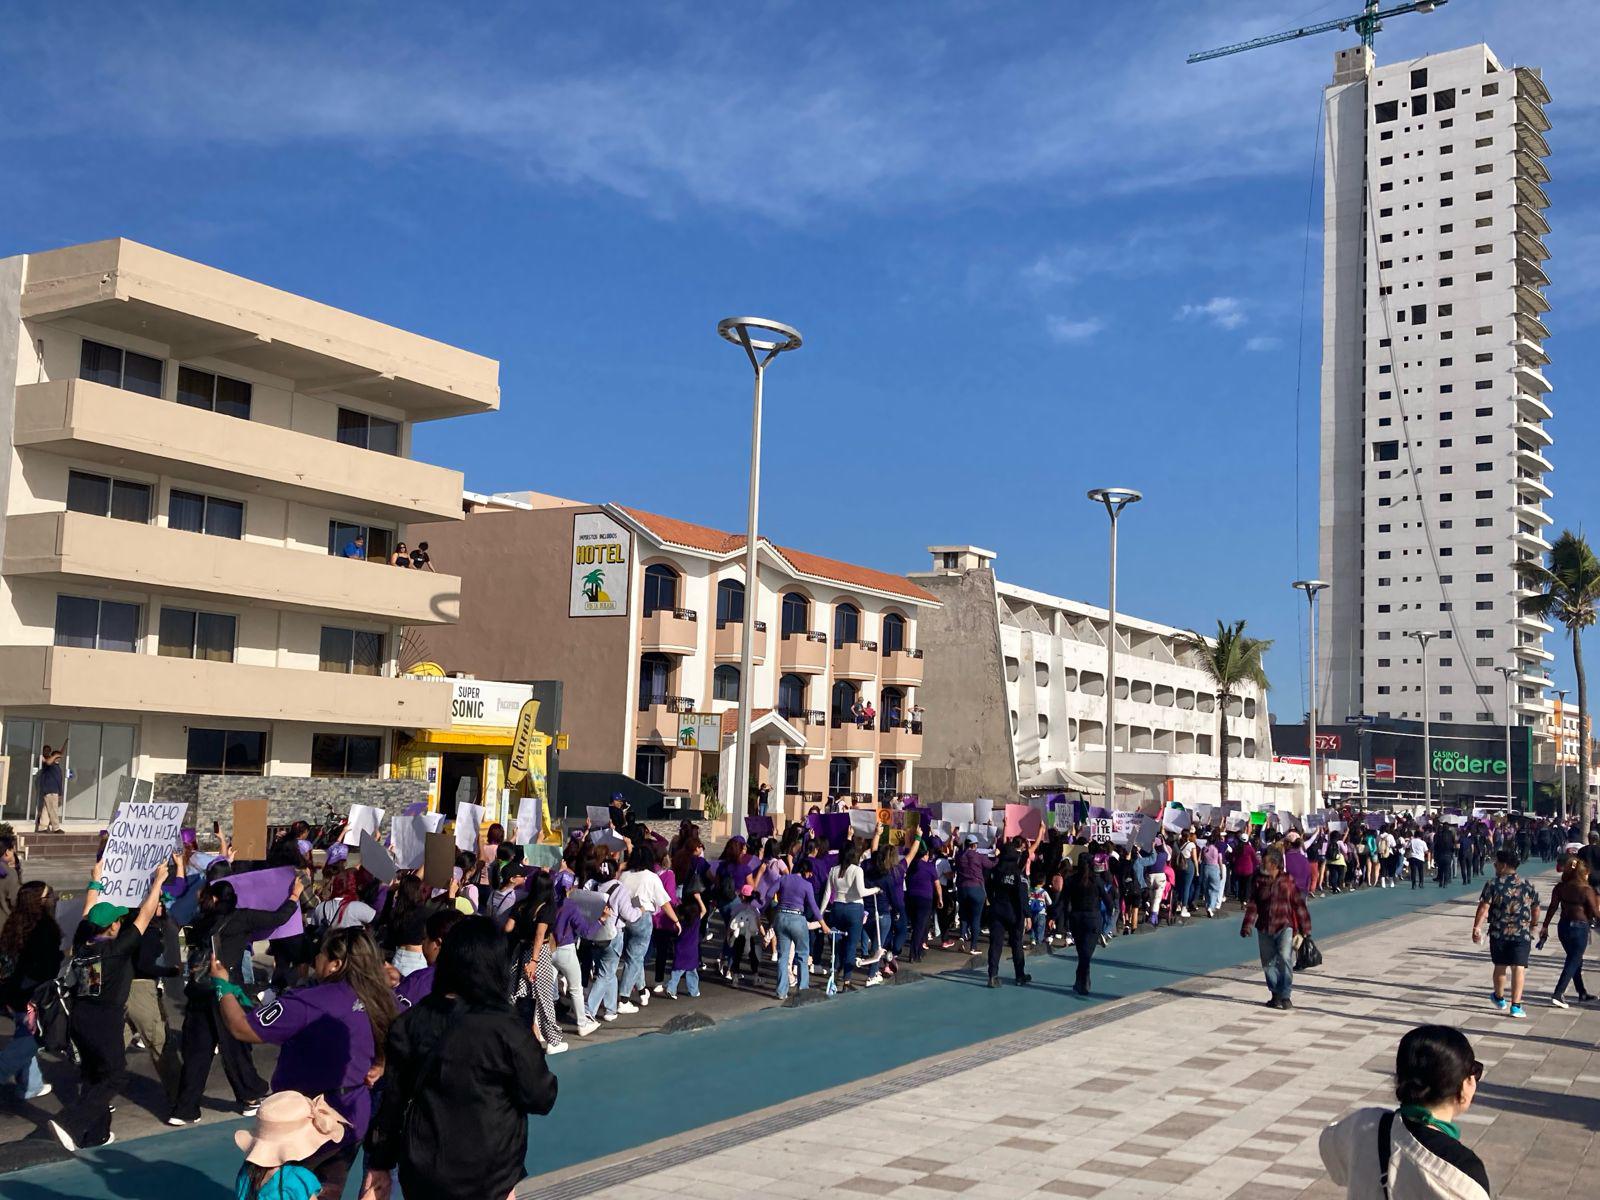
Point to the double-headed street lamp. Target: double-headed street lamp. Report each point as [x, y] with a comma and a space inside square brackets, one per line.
[1311, 587]
[1115, 500]
[762, 340]
[1424, 636]
[1510, 673]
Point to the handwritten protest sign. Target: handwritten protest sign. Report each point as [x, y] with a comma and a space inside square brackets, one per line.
[142, 836]
[957, 814]
[1122, 826]
[1100, 829]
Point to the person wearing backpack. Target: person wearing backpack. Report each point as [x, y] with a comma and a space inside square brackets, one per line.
[30, 956]
[104, 948]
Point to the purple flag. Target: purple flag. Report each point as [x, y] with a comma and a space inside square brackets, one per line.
[265, 890]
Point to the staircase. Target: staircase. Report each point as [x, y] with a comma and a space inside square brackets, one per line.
[40, 847]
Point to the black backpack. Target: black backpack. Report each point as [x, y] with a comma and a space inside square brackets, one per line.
[55, 999]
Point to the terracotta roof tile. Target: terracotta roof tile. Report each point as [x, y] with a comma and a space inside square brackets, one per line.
[730, 719]
[716, 541]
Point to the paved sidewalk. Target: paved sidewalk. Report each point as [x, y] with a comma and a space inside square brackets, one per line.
[1192, 1091]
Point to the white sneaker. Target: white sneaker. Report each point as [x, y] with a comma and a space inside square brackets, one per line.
[1558, 1002]
[627, 1006]
[65, 1138]
[610, 1016]
[873, 980]
[587, 1027]
[644, 997]
[556, 1048]
[43, 1091]
[660, 989]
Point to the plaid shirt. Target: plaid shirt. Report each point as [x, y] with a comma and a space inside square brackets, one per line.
[1277, 904]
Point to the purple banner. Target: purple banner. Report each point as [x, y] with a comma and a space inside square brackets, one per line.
[833, 828]
[757, 828]
[265, 891]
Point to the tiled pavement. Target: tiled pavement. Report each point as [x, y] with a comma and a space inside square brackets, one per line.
[1195, 1091]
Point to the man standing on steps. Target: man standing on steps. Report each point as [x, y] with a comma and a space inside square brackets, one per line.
[52, 782]
[1510, 905]
[1276, 909]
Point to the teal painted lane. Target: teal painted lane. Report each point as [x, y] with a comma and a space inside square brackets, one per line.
[629, 1093]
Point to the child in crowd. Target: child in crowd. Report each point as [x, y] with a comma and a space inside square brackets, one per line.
[744, 931]
[289, 1130]
[1039, 913]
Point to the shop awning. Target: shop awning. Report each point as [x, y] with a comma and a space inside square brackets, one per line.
[1058, 777]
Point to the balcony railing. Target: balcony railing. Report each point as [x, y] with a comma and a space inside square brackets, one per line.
[724, 623]
[846, 721]
[673, 704]
[891, 650]
[813, 636]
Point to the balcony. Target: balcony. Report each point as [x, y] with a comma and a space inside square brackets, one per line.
[902, 667]
[1532, 408]
[1531, 512]
[1530, 246]
[1530, 300]
[1532, 115]
[1533, 652]
[1530, 193]
[814, 724]
[1524, 621]
[856, 660]
[112, 682]
[161, 437]
[1530, 221]
[1530, 459]
[1530, 379]
[1531, 86]
[197, 311]
[1530, 353]
[660, 719]
[728, 645]
[1530, 327]
[1530, 540]
[1531, 140]
[846, 737]
[1529, 274]
[1529, 484]
[803, 653]
[1529, 166]
[1533, 434]
[70, 547]
[670, 631]
[899, 741]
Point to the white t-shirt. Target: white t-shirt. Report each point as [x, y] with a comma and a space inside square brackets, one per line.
[646, 889]
[1385, 844]
[1418, 849]
[355, 913]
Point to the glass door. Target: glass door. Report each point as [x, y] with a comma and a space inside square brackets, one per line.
[116, 764]
[22, 746]
[83, 773]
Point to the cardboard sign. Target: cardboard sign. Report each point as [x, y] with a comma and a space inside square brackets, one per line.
[599, 816]
[439, 860]
[265, 891]
[1204, 813]
[832, 828]
[944, 831]
[249, 830]
[364, 818]
[1023, 819]
[542, 854]
[377, 860]
[863, 821]
[1061, 819]
[1149, 829]
[142, 837]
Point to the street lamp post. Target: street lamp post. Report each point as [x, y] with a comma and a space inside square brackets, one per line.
[1561, 749]
[762, 341]
[1509, 673]
[1424, 636]
[1311, 587]
[1115, 500]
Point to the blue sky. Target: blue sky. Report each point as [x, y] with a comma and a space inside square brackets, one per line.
[1030, 249]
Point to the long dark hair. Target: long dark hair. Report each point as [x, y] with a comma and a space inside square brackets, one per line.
[533, 909]
[35, 903]
[362, 969]
[474, 964]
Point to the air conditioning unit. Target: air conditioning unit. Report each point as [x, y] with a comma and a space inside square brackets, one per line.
[675, 802]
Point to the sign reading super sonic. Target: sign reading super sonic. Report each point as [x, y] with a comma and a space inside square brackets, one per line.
[601, 550]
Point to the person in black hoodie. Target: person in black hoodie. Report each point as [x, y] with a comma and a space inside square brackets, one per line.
[30, 955]
[496, 1079]
[1008, 904]
[222, 925]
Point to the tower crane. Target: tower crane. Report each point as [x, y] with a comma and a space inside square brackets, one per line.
[1367, 23]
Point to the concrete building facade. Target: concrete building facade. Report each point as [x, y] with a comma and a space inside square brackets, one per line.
[188, 459]
[1015, 691]
[641, 616]
[1434, 398]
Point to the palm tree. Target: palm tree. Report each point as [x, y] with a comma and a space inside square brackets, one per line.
[1230, 660]
[1569, 591]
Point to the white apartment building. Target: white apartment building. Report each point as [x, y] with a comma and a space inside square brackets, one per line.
[1015, 689]
[187, 460]
[1434, 399]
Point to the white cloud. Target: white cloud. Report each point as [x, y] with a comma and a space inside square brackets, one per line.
[1067, 331]
[1262, 343]
[1225, 312]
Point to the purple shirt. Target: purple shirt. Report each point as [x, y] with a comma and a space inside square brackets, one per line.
[570, 925]
[920, 878]
[414, 988]
[972, 868]
[327, 1048]
[1298, 866]
[796, 892]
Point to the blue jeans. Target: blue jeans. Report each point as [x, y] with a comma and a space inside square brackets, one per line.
[19, 1061]
[1183, 894]
[1277, 960]
[792, 936]
[895, 938]
[692, 978]
[849, 918]
[635, 945]
[1574, 937]
[603, 987]
[1211, 882]
[972, 901]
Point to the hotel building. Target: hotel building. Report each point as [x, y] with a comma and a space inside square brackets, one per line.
[203, 479]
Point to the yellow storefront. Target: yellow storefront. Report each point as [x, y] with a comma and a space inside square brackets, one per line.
[469, 762]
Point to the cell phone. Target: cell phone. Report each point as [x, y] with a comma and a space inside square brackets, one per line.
[216, 948]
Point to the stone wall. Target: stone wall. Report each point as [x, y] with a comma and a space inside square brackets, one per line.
[289, 798]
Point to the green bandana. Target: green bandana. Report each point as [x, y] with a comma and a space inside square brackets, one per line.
[1415, 1112]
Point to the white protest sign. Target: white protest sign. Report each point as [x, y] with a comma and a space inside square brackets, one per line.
[1100, 829]
[983, 811]
[1175, 819]
[364, 818]
[527, 820]
[608, 837]
[863, 821]
[142, 837]
[599, 816]
[1122, 826]
[957, 814]
[410, 838]
[468, 818]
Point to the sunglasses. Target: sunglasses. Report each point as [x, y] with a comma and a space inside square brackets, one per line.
[1477, 1071]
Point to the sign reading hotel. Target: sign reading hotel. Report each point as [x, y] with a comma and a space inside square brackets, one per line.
[600, 555]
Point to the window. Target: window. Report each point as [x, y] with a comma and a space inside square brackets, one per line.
[1383, 528]
[1483, 169]
[1447, 415]
[1419, 105]
[118, 368]
[1483, 276]
[792, 696]
[216, 393]
[892, 637]
[1483, 439]
[1383, 662]
[351, 651]
[1044, 726]
[1383, 689]
[1485, 466]
[1444, 100]
[650, 767]
[186, 633]
[846, 625]
[1383, 554]
[1383, 608]
[1388, 110]
[1483, 635]
[1419, 314]
[796, 614]
[730, 603]
[1447, 310]
[845, 695]
[1483, 577]
[1446, 443]
[655, 670]
[1419, 77]
[1485, 550]
[1447, 470]
[793, 772]
[1486, 114]
[1447, 662]
[1491, 89]
[94, 624]
[888, 779]
[1385, 451]
[1383, 635]
[205, 514]
[103, 497]
[353, 755]
[1484, 606]
[660, 588]
[370, 433]
[1485, 330]
[375, 542]
[227, 752]
[1446, 689]
[725, 683]
[841, 776]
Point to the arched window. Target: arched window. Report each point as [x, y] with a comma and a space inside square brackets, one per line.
[660, 588]
[893, 639]
[796, 614]
[725, 683]
[654, 670]
[844, 699]
[846, 625]
[730, 603]
[889, 771]
[841, 776]
[650, 766]
[792, 696]
[891, 708]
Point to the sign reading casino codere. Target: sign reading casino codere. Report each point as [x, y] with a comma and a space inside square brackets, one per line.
[600, 558]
